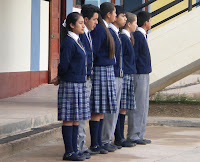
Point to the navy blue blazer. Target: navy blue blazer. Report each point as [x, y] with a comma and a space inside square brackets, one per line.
[88, 51]
[128, 55]
[142, 53]
[118, 50]
[100, 49]
[72, 66]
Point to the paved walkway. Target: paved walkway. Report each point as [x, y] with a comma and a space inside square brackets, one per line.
[38, 107]
[35, 108]
[169, 144]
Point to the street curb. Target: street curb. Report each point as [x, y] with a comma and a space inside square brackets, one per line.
[174, 121]
[27, 124]
[14, 147]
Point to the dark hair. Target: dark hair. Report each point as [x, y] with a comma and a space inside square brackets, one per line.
[130, 18]
[142, 17]
[89, 10]
[104, 9]
[72, 19]
[119, 10]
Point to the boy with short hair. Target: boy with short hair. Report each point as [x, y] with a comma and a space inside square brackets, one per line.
[90, 14]
[110, 120]
[137, 118]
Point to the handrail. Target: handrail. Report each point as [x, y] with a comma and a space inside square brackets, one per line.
[164, 8]
[178, 13]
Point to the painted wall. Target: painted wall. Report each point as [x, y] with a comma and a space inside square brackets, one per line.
[175, 50]
[24, 44]
[15, 40]
[160, 3]
[44, 35]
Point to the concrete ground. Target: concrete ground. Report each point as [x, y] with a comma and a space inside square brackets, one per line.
[32, 109]
[169, 144]
[38, 108]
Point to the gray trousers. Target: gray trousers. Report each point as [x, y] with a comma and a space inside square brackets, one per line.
[137, 118]
[110, 120]
[81, 128]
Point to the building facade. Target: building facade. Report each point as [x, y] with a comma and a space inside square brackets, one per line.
[30, 41]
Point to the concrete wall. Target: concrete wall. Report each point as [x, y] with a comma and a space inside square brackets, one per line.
[15, 40]
[175, 50]
[44, 35]
[24, 44]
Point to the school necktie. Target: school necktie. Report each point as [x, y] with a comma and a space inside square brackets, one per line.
[90, 41]
[121, 57]
[79, 41]
[89, 37]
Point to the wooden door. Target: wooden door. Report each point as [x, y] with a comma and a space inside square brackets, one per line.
[113, 1]
[54, 40]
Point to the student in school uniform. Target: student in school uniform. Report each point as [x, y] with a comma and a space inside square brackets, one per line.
[90, 14]
[137, 118]
[103, 95]
[110, 120]
[127, 96]
[73, 101]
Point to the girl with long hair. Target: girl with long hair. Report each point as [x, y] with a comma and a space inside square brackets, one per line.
[73, 101]
[103, 95]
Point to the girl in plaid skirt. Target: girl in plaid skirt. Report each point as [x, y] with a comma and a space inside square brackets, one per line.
[127, 95]
[73, 101]
[103, 95]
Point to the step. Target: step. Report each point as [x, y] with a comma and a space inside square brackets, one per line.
[33, 109]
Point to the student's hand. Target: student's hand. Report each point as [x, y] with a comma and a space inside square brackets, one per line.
[56, 81]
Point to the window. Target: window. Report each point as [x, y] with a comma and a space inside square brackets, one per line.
[96, 2]
[78, 3]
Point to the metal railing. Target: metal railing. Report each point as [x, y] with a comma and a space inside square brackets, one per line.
[164, 8]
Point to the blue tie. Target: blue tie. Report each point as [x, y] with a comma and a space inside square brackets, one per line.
[79, 41]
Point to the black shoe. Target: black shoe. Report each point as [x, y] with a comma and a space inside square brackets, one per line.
[147, 141]
[73, 157]
[98, 150]
[89, 152]
[102, 151]
[108, 147]
[115, 146]
[124, 143]
[87, 155]
[95, 149]
[139, 142]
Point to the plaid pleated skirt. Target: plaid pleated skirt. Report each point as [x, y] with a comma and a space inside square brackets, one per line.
[103, 95]
[127, 96]
[73, 102]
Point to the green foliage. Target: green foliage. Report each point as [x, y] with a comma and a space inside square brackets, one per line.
[163, 98]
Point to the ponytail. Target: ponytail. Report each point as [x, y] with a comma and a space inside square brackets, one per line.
[110, 40]
[104, 9]
[130, 18]
[132, 39]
